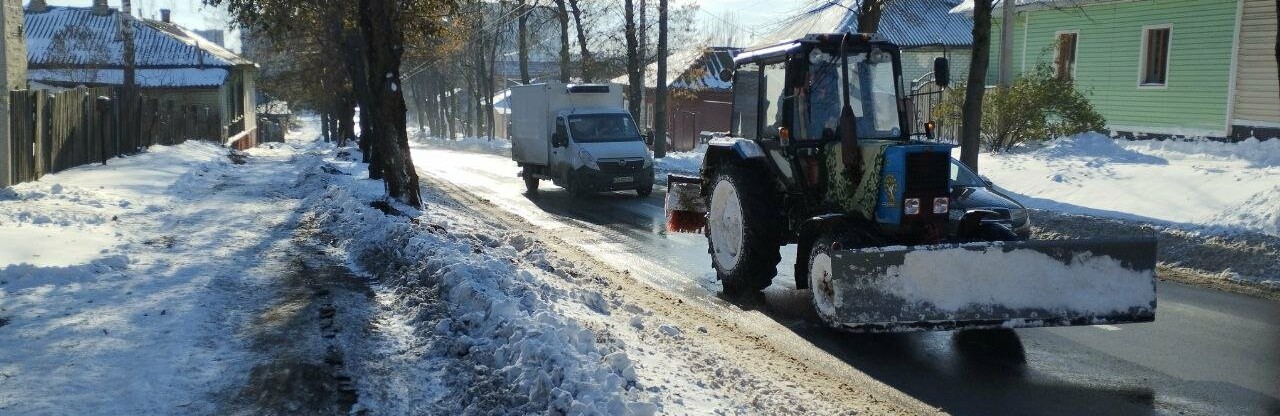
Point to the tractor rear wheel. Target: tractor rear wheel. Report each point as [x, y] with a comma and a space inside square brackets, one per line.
[743, 231]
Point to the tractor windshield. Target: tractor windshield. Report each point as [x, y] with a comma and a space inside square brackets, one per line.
[873, 94]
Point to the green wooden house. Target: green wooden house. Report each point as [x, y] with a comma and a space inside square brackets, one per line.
[1156, 67]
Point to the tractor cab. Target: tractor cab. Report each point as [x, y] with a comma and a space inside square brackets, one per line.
[829, 112]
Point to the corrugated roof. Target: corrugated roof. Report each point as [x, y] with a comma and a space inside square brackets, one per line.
[694, 68]
[158, 44]
[908, 23]
[146, 78]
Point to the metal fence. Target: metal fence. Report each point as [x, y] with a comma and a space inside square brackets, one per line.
[54, 131]
[926, 97]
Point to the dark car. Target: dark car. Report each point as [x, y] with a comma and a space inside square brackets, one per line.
[974, 196]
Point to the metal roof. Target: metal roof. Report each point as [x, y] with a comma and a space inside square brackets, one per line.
[694, 68]
[158, 44]
[907, 23]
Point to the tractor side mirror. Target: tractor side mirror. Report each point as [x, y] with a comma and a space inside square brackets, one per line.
[726, 75]
[941, 72]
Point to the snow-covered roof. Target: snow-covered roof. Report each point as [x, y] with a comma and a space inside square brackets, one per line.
[502, 102]
[146, 78]
[159, 46]
[966, 6]
[907, 23]
[694, 68]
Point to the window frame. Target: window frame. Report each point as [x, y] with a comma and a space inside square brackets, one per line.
[1075, 51]
[1142, 56]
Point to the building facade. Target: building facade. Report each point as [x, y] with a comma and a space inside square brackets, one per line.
[1164, 68]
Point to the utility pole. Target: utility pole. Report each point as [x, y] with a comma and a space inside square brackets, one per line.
[1006, 43]
[660, 102]
[129, 92]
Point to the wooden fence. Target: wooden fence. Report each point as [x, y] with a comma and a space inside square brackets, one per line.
[53, 131]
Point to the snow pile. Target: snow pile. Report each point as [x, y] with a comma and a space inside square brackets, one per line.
[491, 320]
[1096, 148]
[681, 162]
[1260, 212]
[1199, 186]
[956, 280]
[1258, 153]
[497, 146]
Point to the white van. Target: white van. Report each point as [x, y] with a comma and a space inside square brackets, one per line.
[580, 137]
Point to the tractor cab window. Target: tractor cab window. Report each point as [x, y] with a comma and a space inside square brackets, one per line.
[873, 94]
[774, 102]
[746, 101]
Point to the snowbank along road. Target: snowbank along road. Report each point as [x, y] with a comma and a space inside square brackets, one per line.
[1208, 352]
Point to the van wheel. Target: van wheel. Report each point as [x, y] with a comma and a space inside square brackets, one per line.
[530, 184]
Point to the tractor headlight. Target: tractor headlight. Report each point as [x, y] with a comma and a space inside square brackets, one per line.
[587, 160]
[940, 205]
[911, 206]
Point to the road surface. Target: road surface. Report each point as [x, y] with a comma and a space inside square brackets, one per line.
[1209, 352]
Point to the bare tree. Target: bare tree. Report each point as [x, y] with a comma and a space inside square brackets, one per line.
[971, 128]
[523, 33]
[635, 81]
[660, 101]
[587, 65]
[564, 40]
[869, 12]
[380, 24]
[77, 56]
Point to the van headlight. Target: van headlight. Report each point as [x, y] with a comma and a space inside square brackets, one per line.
[1018, 216]
[587, 160]
[648, 159]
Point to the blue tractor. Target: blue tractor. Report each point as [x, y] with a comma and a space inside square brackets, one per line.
[820, 155]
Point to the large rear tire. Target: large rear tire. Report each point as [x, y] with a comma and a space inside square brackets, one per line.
[743, 229]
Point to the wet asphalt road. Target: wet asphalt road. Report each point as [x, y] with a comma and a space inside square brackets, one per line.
[1208, 352]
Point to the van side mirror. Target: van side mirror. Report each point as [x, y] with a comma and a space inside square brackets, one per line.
[558, 139]
[941, 72]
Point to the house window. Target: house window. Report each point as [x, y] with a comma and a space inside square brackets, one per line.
[1155, 56]
[1064, 63]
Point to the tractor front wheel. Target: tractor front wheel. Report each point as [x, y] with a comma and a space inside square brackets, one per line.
[743, 231]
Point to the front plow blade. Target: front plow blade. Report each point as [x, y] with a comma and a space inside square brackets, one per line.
[982, 285]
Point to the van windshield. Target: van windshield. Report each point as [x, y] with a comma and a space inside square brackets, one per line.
[597, 128]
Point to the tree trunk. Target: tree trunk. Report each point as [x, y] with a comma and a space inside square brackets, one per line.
[869, 15]
[489, 81]
[564, 40]
[379, 20]
[588, 65]
[635, 83]
[346, 122]
[324, 127]
[660, 101]
[523, 33]
[642, 51]
[1007, 22]
[971, 128]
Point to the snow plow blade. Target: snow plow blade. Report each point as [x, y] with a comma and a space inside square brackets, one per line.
[1013, 284]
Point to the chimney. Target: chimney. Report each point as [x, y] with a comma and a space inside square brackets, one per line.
[100, 8]
[37, 6]
[164, 15]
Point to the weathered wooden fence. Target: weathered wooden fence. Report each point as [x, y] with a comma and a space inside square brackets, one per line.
[53, 131]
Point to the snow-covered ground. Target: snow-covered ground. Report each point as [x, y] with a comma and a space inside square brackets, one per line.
[1195, 185]
[122, 285]
[179, 277]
